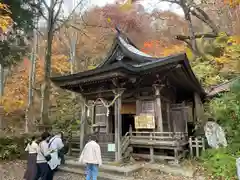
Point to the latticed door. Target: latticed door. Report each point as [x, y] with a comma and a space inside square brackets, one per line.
[147, 107]
[101, 118]
[179, 118]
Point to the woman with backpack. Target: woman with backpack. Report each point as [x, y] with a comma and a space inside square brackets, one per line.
[32, 149]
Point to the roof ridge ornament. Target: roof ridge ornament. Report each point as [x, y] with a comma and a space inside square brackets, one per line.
[118, 30]
[120, 55]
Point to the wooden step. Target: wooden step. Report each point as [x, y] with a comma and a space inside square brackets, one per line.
[105, 157]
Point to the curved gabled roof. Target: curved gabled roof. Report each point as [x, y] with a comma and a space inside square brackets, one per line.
[126, 59]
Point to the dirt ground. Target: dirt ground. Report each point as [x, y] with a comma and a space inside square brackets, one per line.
[15, 170]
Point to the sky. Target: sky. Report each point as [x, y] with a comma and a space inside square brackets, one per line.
[149, 5]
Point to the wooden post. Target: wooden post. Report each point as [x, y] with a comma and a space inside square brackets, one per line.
[158, 108]
[151, 149]
[191, 147]
[168, 117]
[176, 156]
[82, 124]
[70, 143]
[197, 146]
[130, 130]
[93, 116]
[198, 107]
[118, 129]
[203, 143]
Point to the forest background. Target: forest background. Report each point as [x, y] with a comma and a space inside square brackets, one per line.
[208, 31]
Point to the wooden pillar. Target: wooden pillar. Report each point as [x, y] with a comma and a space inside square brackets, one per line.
[198, 107]
[158, 110]
[83, 122]
[151, 150]
[118, 129]
[168, 117]
[93, 116]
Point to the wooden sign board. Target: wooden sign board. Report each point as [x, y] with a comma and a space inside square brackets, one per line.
[144, 121]
[128, 108]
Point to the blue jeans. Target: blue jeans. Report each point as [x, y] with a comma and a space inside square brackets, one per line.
[238, 167]
[92, 172]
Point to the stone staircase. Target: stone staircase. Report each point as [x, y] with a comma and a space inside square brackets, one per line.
[126, 172]
[106, 172]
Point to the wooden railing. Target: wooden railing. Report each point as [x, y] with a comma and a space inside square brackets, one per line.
[125, 142]
[103, 140]
[160, 140]
[159, 135]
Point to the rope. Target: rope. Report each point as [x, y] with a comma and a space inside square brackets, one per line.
[105, 103]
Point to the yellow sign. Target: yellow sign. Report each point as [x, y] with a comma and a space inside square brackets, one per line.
[144, 121]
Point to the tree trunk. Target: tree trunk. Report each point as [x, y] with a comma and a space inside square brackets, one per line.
[1, 95]
[73, 41]
[29, 116]
[47, 67]
[187, 15]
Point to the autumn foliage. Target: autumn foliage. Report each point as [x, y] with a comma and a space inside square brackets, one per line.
[5, 20]
[161, 48]
[17, 85]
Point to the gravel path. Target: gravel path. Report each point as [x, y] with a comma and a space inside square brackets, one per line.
[15, 170]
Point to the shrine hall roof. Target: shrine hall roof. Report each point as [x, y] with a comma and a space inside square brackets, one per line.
[125, 59]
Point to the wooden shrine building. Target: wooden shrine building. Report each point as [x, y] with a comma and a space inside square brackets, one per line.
[138, 101]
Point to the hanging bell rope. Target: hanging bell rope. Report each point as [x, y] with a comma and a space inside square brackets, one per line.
[105, 102]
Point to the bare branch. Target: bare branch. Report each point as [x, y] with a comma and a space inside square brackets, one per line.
[91, 25]
[58, 11]
[45, 4]
[69, 16]
[196, 36]
[210, 23]
[80, 30]
[42, 14]
[55, 3]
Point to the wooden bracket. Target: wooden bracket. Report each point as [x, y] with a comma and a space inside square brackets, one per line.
[158, 87]
[115, 83]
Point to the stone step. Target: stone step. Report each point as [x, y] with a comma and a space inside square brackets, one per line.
[113, 169]
[75, 157]
[101, 175]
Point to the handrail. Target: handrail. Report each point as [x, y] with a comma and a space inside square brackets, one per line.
[159, 135]
[125, 142]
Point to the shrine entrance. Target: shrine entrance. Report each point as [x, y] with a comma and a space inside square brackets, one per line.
[128, 111]
[127, 121]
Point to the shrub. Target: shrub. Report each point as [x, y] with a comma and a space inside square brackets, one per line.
[13, 147]
[221, 163]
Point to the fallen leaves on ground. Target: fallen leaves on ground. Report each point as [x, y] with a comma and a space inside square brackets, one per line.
[14, 170]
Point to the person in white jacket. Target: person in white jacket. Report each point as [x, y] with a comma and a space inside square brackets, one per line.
[91, 157]
[55, 145]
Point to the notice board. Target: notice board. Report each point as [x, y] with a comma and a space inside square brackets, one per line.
[144, 121]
